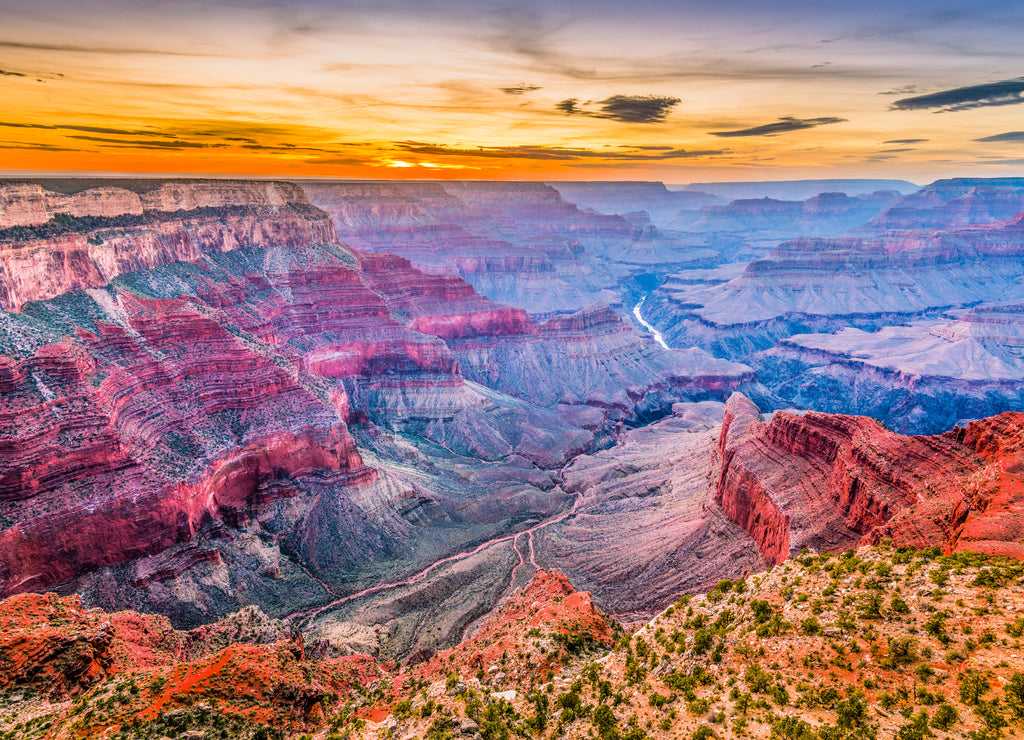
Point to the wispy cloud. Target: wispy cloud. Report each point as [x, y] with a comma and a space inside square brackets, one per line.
[633, 154]
[520, 89]
[783, 125]
[1006, 92]
[1008, 136]
[143, 144]
[98, 49]
[905, 90]
[624, 108]
[906, 141]
[86, 129]
[6, 73]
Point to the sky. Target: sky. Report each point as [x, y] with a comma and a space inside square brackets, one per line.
[677, 91]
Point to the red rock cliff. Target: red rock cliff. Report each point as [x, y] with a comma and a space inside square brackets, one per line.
[829, 481]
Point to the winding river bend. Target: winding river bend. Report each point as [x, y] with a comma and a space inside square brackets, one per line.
[654, 332]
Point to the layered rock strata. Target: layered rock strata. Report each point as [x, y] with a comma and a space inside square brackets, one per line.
[55, 243]
[924, 376]
[831, 481]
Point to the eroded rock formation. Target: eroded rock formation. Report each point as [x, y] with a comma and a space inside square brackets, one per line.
[829, 481]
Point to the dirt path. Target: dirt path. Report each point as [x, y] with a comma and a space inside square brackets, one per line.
[305, 615]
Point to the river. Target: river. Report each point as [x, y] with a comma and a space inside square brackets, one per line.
[654, 332]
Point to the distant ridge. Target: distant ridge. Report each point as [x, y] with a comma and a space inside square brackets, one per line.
[796, 189]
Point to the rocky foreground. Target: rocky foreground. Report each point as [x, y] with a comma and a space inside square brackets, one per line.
[880, 642]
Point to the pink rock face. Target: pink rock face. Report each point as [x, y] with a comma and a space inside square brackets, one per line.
[442, 305]
[33, 269]
[516, 243]
[830, 481]
[161, 414]
[953, 203]
[114, 445]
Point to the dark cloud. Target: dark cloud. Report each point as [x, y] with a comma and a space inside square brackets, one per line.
[5, 73]
[787, 123]
[625, 108]
[34, 147]
[87, 129]
[569, 106]
[905, 90]
[113, 131]
[637, 108]
[1008, 136]
[350, 161]
[520, 89]
[1007, 92]
[632, 154]
[906, 141]
[274, 147]
[147, 144]
[24, 125]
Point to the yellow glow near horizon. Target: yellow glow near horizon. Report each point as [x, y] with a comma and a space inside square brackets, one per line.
[239, 90]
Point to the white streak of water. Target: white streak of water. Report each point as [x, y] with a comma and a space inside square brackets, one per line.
[654, 332]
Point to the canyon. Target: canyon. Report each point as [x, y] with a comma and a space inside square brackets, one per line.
[377, 410]
[222, 404]
[910, 317]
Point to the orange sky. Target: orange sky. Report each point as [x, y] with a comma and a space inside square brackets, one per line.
[576, 90]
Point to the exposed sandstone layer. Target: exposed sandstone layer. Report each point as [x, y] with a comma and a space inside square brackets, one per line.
[32, 204]
[831, 481]
[116, 231]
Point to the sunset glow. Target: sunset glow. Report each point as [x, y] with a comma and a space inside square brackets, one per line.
[571, 90]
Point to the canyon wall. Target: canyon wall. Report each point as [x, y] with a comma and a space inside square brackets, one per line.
[54, 243]
[913, 318]
[829, 481]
